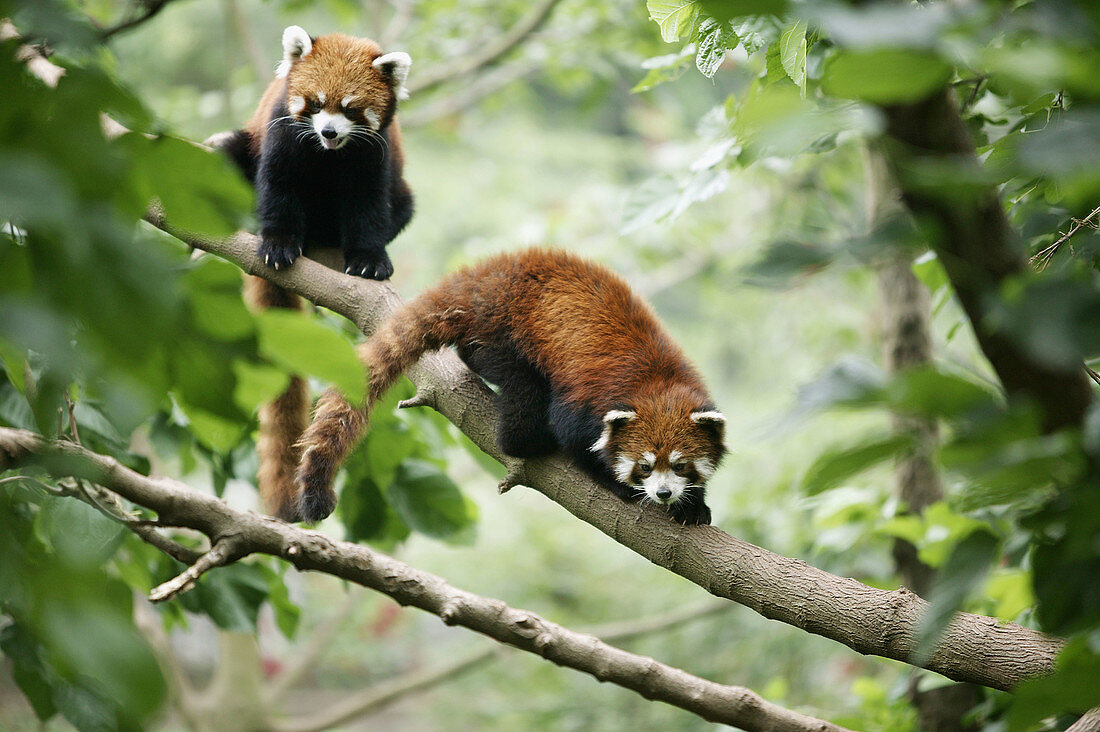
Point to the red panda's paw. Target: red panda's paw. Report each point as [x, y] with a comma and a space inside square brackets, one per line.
[690, 513]
[371, 265]
[279, 250]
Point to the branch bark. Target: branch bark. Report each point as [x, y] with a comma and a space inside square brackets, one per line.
[249, 533]
[974, 648]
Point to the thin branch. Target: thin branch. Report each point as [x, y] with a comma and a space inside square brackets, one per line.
[236, 533]
[306, 656]
[974, 648]
[1092, 374]
[1042, 259]
[373, 699]
[380, 695]
[466, 95]
[151, 9]
[492, 52]
[222, 552]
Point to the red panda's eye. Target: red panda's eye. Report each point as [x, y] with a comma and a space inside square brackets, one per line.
[350, 111]
[644, 468]
[314, 106]
[679, 468]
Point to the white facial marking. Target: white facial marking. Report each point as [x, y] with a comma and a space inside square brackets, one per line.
[649, 457]
[346, 100]
[295, 105]
[664, 480]
[397, 63]
[701, 417]
[336, 122]
[704, 467]
[372, 118]
[296, 45]
[615, 417]
[624, 466]
[674, 456]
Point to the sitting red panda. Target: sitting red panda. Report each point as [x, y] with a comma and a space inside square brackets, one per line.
[324, 152]
[581, 364]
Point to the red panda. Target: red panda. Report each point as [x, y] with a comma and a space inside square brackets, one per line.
[324, 152]
[581, 365]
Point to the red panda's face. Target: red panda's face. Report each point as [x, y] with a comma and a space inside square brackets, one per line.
[341, 89]
[661, 448]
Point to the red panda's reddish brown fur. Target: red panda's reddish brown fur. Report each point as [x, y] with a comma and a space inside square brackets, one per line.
[574, 331]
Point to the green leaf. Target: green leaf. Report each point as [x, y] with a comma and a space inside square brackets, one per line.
[216, 304]
[832, 468]
[965, 568]
[675, 18]
[792, 54]
[215, 432]
[305, 346]
[715, 39]
[231, 596]
[257, 384]
[1071, 688]
[78, 532]
[430, 502]
[1011, 590]
[200, 190]
[287, 614]
[885, 76]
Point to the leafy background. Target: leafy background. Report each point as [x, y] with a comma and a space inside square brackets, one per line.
[715, 153]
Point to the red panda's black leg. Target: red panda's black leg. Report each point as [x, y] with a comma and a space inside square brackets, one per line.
[401, 205]
[523, 400]
[364, 233]
[280, 209]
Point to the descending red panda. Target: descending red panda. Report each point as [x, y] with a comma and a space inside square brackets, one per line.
[581, 365]
[324, 152]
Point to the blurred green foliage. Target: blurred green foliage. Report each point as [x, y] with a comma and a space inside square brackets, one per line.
[731, 194]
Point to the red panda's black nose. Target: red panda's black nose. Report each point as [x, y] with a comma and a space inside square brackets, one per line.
[663, 493]
[328, 132]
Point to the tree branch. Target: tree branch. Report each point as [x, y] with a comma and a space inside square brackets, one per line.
[977, 247]
[489, 55]
[151, 9]
[884, 623]
[380, 695]
[240, 533]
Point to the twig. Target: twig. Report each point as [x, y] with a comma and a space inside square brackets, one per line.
[1092, 374]
[306, 657]
[152, 7]
[1042, 259]
[493, 51]
[373, 699]
[221, 553]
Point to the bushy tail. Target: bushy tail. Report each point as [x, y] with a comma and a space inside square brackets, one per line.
[420, 326]
[283, 420]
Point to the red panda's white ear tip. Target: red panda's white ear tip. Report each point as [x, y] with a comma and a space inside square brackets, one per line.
[396, 64]
[296, 45]
[709, 417]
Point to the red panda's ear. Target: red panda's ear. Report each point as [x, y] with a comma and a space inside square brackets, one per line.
[612, 421]
[296, 45]
[395, 66]
[713, 422]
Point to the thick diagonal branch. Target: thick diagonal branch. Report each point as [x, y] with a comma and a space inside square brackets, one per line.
[248, 533]
[877, 622]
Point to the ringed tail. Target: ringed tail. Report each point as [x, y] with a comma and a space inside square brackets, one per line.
[283, 420]
[420, 326]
